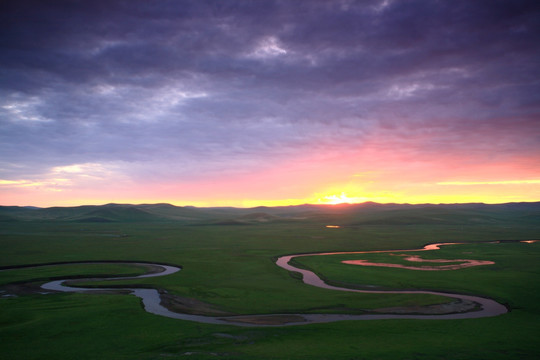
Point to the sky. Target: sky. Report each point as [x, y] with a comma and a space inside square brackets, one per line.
[247, 103]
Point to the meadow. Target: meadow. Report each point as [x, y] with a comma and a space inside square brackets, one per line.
[228, 267]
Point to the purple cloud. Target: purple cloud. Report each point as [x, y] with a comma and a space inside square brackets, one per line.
[183, 88]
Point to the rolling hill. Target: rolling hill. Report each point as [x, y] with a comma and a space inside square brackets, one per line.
[343, 215]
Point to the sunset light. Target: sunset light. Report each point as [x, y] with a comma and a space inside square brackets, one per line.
[216, 108]
[340, 199]
[256, 179]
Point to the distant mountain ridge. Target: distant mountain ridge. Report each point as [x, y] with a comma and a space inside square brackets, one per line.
[342, 214]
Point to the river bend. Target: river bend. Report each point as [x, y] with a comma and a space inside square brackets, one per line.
[152, 301]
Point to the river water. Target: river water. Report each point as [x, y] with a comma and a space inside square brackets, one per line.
[152, 302]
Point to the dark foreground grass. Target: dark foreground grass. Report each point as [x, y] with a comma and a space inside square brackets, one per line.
[231, 267]
[114, 327]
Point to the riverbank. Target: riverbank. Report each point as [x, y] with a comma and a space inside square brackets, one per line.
[164, 304]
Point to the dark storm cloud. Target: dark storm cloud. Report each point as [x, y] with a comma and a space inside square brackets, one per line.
[199, 85]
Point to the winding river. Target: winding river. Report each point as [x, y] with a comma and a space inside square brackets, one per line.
[152, 301]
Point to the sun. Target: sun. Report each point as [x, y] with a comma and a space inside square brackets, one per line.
[340, 199]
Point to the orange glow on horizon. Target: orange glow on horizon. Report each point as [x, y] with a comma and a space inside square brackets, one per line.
[340, 199]
[370, 175]
[489, 194]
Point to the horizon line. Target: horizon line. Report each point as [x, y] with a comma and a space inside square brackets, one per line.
[275, 206]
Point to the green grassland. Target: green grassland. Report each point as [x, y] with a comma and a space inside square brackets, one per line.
[227, 258]
[516, 265]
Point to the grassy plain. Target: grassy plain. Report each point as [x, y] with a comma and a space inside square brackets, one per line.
[232, 268]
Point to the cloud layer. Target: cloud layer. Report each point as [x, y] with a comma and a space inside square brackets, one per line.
[194, 92]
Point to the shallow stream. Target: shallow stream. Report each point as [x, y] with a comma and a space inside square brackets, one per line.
[152, 302]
